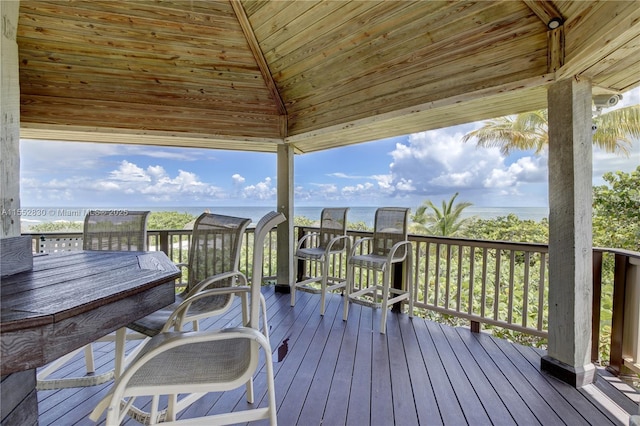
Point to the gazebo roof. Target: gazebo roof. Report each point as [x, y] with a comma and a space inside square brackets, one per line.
[250, 75]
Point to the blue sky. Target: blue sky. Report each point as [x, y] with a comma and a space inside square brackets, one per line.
[401, 171]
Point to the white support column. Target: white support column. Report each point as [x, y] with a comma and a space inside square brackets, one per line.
[285, 229]
[570, 232]
[10, 125]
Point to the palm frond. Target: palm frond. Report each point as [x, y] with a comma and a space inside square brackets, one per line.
[616, 128]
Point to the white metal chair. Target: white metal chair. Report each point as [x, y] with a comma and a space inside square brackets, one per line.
[214, 250]
[179, 362]
[322, 247]
[102, 231]
[388, 246]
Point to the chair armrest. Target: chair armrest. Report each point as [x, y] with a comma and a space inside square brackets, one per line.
[177, 317]
[334, 240]
[395, 248]
[180, 282]
[305, 238]
[218, 277]
[357, 243]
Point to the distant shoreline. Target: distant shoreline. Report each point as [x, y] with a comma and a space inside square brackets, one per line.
[37, 215]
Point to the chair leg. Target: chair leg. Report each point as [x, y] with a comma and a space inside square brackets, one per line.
[171, 408]
[155, 399]
[386, 277]
[88, 359]
[250, 395]
[412, 293]
[323, 285]
[121, 340]
[271, 387]
[265, 324]
[347, 290]
[293, 282]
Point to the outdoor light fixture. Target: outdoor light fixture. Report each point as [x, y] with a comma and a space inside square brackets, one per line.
[554, 23]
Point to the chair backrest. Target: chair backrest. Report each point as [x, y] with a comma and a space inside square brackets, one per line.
[333, 223]
[391, 227]
[216, 241]
[104, 230]
[263, 227]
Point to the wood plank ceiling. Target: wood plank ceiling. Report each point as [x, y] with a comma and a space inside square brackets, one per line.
[249, 75]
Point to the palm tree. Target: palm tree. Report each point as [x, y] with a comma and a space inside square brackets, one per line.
[613, 131]
[444, 222]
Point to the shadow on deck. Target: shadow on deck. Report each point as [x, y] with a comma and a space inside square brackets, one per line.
[333, 372]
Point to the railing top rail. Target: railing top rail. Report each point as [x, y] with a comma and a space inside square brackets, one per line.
[624, 252]
[504, 245]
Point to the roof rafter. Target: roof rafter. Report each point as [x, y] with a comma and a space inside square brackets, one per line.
[547, 12]
[243, 20]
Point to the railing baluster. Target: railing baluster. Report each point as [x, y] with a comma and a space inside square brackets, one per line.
[484, 282]
[496, 290]
[447, 292]
[512, 267]
[437, 277]
[472, 262]
[426, 271]
[541, 286]
[459, 294]
[525, 291]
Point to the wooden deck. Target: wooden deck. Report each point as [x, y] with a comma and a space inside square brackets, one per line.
[334, 372]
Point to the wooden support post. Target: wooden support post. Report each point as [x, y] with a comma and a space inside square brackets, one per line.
[10, 121]
[570, 233]
[397, 282]
[301, 262]
[617, 319]
[285, 229]
[18, 399]
[164, 242]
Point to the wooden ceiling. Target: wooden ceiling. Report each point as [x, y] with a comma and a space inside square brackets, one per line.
[250, 75]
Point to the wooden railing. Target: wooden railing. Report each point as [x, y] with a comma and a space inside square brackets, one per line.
[486, 282]
[625, 308]
[496, 283]
[175, 243]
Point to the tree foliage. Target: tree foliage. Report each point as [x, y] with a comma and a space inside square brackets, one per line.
[614, 131]
[616, 211]
[446, 221]
[168, 220]
[509, 228]
[57, 226]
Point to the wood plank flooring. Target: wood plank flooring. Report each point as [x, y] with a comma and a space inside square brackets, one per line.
[331, 372]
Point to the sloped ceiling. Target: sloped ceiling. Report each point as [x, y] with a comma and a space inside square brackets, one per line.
[249, 75]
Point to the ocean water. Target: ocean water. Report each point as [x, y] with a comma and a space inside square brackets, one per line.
[35, 215]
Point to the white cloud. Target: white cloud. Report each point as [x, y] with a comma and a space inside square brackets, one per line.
[237, 179]
[129, 172]
[260, 191]
[358, 190]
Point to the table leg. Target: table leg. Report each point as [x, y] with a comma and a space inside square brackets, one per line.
[18, 398]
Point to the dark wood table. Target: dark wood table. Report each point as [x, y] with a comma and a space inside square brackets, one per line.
[71, 299]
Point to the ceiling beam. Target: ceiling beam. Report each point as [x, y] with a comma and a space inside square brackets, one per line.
[551, 17]
[547, 12]
[260, 60]
[146, 137]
